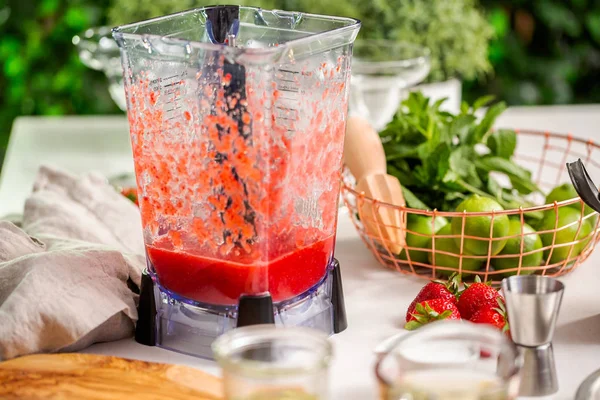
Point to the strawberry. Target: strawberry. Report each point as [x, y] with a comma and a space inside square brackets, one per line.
[131, 194]
[431, 310]
[436, 290]
[476, 296]
[495, 316]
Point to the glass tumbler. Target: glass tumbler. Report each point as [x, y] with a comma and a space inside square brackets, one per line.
[450, 360]
[263, 362]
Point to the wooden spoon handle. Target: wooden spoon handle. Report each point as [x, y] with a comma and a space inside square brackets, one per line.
[363, 151]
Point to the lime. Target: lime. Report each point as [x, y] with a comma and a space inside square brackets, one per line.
[564, 234]
[567, 191]
[563, 192]
[513, 246]
[424, 225]
[480, 226]
[446, 260]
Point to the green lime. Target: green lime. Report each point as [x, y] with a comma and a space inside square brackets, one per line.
[563, 192]
[564, 234]
[424, 225]
[513, 246]
[567, 191]
[480, 226]
[446, 260]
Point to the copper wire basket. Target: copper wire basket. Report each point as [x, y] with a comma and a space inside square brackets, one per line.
[546, 158]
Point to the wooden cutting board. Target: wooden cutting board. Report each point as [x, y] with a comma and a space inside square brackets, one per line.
[89, 376]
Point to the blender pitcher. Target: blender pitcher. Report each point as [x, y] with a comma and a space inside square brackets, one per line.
[237, 118]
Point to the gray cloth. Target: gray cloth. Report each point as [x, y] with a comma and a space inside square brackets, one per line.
[65, 275]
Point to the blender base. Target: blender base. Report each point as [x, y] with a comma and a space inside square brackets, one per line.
[167, 321]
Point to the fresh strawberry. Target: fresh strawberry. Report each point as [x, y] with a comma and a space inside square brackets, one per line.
[431, 310]
[491, 315]
[476, 296]
[436, 290]
[131, 194]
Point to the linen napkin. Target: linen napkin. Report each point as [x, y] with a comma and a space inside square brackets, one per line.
[68, 276]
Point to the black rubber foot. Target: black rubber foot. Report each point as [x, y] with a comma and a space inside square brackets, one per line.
[145, 329]
[255, 310]
[340, 321]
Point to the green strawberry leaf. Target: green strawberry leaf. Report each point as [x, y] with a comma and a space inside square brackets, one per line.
[412, 325]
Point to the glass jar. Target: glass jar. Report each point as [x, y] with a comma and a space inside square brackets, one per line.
[264, 362]
[450, 360]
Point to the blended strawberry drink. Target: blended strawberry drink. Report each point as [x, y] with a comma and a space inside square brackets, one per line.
[237, 155]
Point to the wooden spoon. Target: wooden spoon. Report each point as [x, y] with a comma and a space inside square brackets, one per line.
[89, 376]
[365, 157]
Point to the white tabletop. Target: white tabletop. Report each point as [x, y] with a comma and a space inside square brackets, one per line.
[376, 298]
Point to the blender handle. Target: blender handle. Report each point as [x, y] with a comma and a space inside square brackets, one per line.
[363, 151]
[584, 186]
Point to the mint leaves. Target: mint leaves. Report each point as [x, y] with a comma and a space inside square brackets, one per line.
[441, 158]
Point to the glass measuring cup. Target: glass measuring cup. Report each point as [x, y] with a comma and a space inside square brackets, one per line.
[262, 362]
[237, 119]
[450, 360]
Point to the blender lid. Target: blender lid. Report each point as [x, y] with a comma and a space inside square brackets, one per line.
[303, 32]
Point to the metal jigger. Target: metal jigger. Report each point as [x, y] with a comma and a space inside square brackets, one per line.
[532, 303]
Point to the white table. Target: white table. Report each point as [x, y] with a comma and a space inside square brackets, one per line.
[376, 298]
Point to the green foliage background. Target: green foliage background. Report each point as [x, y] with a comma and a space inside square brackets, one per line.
[40, 71]
[543, 51]
[456, 31]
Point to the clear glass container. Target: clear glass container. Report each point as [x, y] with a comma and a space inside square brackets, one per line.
[263, 362]
[98, 50]
[237, 118]
[450, 360]
[382, 70]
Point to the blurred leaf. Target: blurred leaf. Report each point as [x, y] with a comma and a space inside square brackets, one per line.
[502, 143]
[482, 102]
[558, 16]
[61, 80]
[55, 109]
[9, 46]
[48, 7]
[592, 22]
[76, 18]
[16, 91]
[4, 14]
[14, 66]
[413, 201]
[499, 20]
[486, 123]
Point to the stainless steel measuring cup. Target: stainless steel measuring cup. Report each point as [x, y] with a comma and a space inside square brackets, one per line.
[533, 303]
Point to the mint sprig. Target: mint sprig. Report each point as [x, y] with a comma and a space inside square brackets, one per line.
[440, 157]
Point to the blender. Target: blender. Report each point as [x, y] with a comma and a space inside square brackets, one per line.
[237, 118]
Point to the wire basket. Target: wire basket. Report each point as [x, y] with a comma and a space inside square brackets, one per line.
[546, 156]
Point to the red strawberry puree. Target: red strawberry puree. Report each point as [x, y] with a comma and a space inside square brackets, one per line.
[222, 282]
